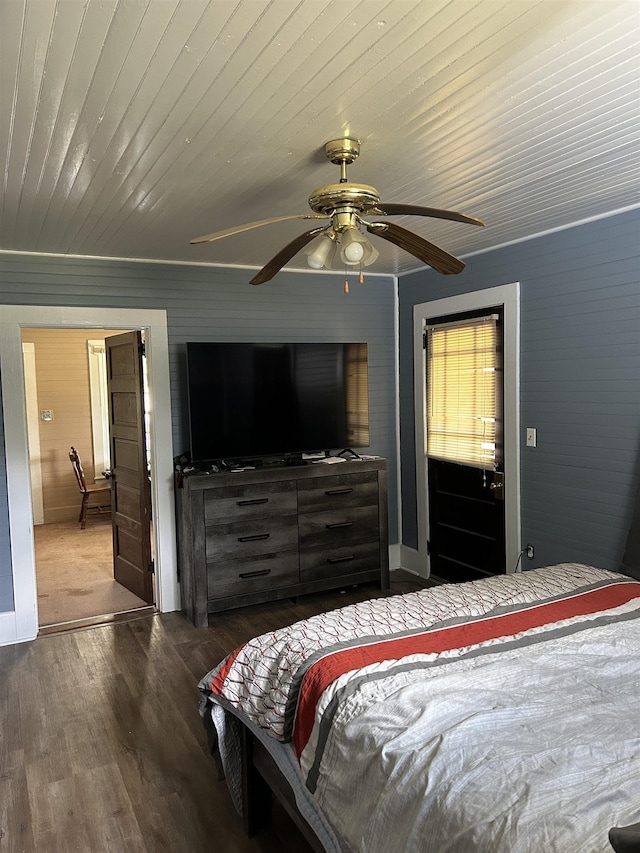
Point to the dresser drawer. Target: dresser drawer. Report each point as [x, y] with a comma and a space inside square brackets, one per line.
[237, 577]
[238, 540]
[250, 501]
[327, 530]
[346, 560]
[327, 493]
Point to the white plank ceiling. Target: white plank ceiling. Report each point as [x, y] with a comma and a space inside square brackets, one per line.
[128, 127]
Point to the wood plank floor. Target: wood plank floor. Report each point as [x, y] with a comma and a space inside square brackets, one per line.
[74, 572]
[101, 744]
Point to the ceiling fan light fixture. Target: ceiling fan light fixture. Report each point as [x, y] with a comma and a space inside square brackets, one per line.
[354, 247]
[371, 254]
[323, 252]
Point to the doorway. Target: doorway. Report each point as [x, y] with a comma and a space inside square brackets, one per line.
[506, 299]
[74, 566]
[465, 467]
[21, 624]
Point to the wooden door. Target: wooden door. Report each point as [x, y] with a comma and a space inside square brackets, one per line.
[130, 484]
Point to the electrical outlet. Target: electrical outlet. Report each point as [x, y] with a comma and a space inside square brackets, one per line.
[530, 551]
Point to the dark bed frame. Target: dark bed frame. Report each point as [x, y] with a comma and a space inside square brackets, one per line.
[262, 779]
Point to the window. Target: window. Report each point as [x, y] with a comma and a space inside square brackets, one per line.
[357, 390]
[99, 406]
[464, 391]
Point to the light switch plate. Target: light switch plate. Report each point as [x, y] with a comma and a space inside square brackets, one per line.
[532, 437]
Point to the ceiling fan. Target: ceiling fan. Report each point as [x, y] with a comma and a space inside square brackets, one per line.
[342, 240]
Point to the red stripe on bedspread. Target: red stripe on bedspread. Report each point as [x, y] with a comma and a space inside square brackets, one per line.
[218, 682]
[329, 668]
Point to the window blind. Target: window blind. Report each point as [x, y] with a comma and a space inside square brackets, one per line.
[357, 392]
[462, 391]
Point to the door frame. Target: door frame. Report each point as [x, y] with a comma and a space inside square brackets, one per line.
[508, 296]
[99, 404]
[33, 423]
[21, 624]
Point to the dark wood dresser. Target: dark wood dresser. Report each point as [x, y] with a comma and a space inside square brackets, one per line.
[247, 537]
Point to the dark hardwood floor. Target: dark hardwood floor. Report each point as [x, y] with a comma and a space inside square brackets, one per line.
[101, 744]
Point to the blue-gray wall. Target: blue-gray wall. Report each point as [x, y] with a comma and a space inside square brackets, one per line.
[580, 383]
[205, 303]
[580, 362]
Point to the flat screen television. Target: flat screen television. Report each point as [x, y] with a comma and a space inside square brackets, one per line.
[251, 400]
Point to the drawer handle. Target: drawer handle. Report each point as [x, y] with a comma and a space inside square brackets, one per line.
[339, 524]
[345, 491]
[259, 574]
[256, 538]
[253, 502]
[341, 559]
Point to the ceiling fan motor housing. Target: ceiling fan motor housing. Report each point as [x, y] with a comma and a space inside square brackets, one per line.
[344, 150]
[360, 197]
[350, 197]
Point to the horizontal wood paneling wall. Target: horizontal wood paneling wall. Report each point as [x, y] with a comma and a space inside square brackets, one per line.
[580, 383]
[62, 381]
[205, 303]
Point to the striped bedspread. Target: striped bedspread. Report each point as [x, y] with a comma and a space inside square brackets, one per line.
[499, 715]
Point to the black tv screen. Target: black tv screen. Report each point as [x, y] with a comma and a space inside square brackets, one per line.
[264, 399]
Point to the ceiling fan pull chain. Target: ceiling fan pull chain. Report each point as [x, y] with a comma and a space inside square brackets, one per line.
[346, 285]
[361, 276]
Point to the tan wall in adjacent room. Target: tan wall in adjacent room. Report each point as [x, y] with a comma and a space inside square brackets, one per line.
[62, 381]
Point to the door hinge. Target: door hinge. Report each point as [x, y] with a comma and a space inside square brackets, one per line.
[424, 340]
[152, 567]
[143, 349]
[428, 547]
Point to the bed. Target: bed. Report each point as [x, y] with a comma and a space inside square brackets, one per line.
[499, 715]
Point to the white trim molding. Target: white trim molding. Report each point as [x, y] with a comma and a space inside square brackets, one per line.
[507, 295]
[33, 430]
[21, 624]
[99, 405]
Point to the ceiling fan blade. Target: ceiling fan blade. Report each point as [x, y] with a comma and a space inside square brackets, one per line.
[285, 254]
[431, 254]
[237, 229]
[416, 210]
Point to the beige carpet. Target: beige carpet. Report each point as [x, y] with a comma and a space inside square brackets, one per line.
[74, 572]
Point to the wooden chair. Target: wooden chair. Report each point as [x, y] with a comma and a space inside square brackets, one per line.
[88, 490]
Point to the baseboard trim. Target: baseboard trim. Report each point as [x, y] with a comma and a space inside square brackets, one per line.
[412, 561]
[9, 634]
[7, 628]
[395, 560]
[62, 514]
